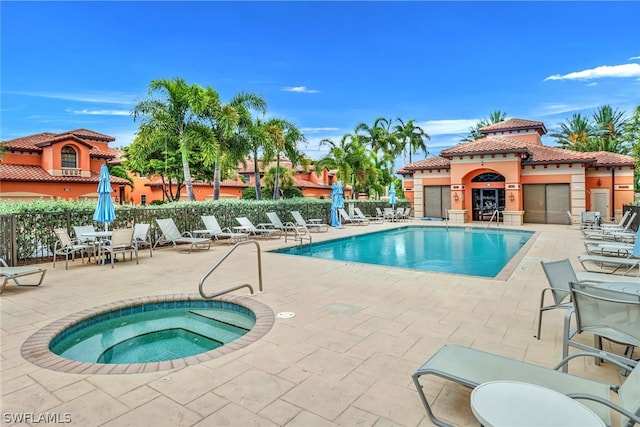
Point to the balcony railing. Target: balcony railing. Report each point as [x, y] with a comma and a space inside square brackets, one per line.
[71, 172]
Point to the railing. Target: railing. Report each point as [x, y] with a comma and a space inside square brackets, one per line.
[71, 172]
[496, 215]
[299, 236]
[233, 288]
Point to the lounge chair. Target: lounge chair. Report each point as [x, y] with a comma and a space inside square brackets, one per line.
[389, 214]
[605, 313]
[310, 225]
[611, 232]
[589, 220]
[68, 247]
[277, 223]
[121, 242]
[142, 237]
[379, 214]
[252, 230]
[171, 234]
[615, 262]
[346, 219]
[13, 273]
[617, 225]
[360, 215]
[213, 230]
[471, 367]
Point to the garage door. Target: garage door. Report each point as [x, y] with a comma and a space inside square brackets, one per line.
[437, 201]
[546, 203]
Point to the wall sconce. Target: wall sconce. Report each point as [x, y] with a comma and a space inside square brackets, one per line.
[511, 196]
[455, 196]
[599, 182]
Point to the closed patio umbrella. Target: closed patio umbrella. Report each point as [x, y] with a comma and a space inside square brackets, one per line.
[105, 211]
[337, 202]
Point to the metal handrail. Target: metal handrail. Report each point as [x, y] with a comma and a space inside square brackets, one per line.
[496, 215]
[297, 235]
[224, 257]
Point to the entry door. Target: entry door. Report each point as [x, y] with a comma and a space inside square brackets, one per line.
[600, 202]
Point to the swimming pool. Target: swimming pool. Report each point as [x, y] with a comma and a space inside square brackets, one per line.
[458, 250]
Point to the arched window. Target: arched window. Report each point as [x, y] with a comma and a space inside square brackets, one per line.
[488, 177]
[69, 157]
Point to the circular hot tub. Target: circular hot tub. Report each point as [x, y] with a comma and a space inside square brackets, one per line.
[148, 334]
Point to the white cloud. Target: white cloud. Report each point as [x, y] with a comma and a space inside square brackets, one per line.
[554, 109]
[300, 89]
[633, 58]
[315, 130]
[101, 112]
[448, 127]
[624, 70]
[98, 97]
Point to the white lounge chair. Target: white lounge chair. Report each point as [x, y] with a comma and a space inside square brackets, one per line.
[252, 230]
[213, 230]
[471, 367]
[311, 226]
[171, 234]
[615, 262]
[13, 273]
[277, 223]
[389, 214]
[361, 215]
[346, 219]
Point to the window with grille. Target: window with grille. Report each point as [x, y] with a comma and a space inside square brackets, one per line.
[69, 157]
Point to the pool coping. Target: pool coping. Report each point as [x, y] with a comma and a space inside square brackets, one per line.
[36, 348]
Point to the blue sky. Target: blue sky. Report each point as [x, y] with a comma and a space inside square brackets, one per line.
[326, 66]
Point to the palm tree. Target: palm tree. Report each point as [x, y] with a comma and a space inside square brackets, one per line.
[175, 113]
[575, 134]
[496, 116]
[224, 119]
[283, 137]
[610, 125]
[411, 137]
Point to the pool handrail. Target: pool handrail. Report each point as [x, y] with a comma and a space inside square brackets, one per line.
[233, 288]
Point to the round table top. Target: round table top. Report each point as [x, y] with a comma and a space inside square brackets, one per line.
[626, 287]
[512, 403]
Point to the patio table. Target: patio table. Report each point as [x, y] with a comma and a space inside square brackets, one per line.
[99, 236]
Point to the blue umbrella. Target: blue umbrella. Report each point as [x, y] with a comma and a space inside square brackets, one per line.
[105, 211]
[337, 202]
[392, 194]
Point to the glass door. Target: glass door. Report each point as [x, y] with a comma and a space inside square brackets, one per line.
[486, 201]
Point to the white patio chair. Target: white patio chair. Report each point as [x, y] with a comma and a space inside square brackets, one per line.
[248, 226]
[346, 219]
[171, 234]
[142, 237]
[68, 247]
[312, 226]
[121, 242]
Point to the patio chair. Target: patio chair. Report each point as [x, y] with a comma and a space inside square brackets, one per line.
[361, 215]
[611, 232]
[171, 234]
[310, 225]
[617, 225]
[589, 220]
[346, 219]
[13, 273]
[121, 242]
[389, 214]
[471, 367]
[379, 213]
[142, 237]
[605, 313]
[81, 230]
[213, 229]
[68, 247]
[252, 230]
[400, 215]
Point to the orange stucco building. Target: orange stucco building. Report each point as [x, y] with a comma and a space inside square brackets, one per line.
[64, 165]
[511, 171]
[67, 166]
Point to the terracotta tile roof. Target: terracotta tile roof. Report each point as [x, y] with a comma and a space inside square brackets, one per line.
[489, 145]
[429, 163]
[303, 183]
[34, 143]
[36, 173]
[223, 183]
[540, 154]
[514, 124]
[605, 158]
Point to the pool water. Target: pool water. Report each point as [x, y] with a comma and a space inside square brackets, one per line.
[156, 334]
[458, 250]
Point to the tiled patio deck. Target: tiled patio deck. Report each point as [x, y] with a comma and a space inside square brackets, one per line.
[346, 358]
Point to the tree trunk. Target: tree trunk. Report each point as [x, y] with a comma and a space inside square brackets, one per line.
[276, 192]
[256, 176]
[216, 181]
[187, 174]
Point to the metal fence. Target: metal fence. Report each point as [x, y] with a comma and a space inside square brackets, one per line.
[28, 238]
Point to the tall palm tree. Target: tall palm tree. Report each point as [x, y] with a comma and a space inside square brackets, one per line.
[411, 137]
[283, 137]
[575, 133]
[496, 116]
[224, 120]
[173, 109]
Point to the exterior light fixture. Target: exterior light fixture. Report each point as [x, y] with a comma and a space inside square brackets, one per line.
[511, 196]
[455, 196]
[599, 182]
